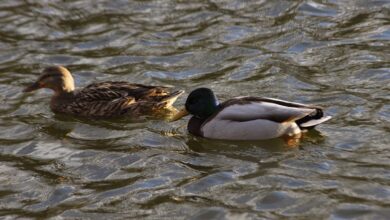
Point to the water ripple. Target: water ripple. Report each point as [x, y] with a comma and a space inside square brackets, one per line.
[330, 53]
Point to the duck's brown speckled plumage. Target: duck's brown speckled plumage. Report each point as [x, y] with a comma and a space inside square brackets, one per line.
[104, 99]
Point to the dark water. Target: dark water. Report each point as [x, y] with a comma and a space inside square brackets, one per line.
[331, 53]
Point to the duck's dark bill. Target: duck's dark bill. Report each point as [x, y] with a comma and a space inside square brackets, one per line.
[183, 112]
[32, 87]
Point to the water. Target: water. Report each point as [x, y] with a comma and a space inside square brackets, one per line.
[330, 53]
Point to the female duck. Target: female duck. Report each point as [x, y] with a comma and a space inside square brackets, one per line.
[247, 118]
[104, 99]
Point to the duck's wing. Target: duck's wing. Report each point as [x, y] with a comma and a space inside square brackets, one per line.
[140, 92]
[99, 103]
[253, 108]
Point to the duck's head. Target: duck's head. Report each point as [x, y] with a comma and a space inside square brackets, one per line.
[56, 78]
[200, 103]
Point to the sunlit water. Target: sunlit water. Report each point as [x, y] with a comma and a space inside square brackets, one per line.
[331, 53]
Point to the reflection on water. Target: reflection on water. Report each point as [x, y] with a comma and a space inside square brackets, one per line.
[331, 53]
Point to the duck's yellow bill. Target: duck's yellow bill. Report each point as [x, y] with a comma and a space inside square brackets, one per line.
[183, 112]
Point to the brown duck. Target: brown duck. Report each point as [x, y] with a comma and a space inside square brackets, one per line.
[104, 99]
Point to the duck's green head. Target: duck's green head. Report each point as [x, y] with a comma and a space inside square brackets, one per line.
[201, 103]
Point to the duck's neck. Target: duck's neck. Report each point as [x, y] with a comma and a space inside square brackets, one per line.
[63, 93]
[60, 99]
[195, 125]
[67, 84]
[196, 122]
[64, 87]
[67, 89]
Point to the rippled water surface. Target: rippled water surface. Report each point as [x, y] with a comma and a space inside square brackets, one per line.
[331, 53]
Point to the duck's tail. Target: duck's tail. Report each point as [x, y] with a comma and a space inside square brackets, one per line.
[312, 120]
[171, 98]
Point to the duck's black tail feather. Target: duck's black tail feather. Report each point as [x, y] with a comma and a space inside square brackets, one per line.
[315, 118]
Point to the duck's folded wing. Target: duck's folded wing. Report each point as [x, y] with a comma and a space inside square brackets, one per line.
[99, 92]
[100, 101]
[285, 103]
[138, 91]
[247, 109]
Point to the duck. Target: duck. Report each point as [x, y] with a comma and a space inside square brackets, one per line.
[247, 118]
[102, 99]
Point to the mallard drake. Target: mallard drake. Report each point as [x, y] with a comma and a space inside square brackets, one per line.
[103, 99]
[247, 118]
